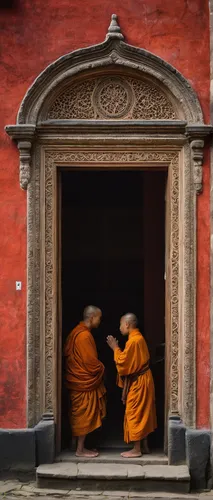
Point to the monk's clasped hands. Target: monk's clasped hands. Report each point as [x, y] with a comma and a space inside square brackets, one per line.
[112, 342]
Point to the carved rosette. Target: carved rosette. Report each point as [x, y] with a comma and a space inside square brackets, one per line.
[197, 159]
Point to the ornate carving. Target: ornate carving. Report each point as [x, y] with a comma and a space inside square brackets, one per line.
[151, 103]
[74, 103]
[112, 157]
[24, 135]
[33, 294]
[174, 244]
[188, 316]
[197, 157]
[25, 157]
[49, 287]
[112, 97]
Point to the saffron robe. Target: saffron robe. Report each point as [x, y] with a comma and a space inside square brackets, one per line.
[140, 413]
[84, 379]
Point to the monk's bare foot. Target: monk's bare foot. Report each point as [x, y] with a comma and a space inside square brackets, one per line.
[86, 453]
[131, 454]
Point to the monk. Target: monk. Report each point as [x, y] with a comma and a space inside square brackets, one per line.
[135, 377]
[84, 379]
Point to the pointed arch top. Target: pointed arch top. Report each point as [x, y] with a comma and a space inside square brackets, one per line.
[119, 56]
[127, 89]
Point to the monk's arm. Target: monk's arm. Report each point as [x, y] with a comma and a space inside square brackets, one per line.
[124, 360]
[88, 355]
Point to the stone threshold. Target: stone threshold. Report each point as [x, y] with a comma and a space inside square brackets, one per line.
[106, 477]
[114, 457]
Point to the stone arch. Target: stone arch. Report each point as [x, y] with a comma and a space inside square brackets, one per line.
[112, 55]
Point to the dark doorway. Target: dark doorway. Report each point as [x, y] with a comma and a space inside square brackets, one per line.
[113, 225]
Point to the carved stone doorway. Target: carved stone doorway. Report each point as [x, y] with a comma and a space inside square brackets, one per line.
[106, 106]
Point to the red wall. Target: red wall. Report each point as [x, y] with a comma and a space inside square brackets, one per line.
[33, 34]
[203, 300]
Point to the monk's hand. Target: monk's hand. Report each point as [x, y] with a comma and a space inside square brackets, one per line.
[112, 342]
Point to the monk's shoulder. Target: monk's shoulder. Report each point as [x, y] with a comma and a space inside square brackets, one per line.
[139, 338]
[83, 335]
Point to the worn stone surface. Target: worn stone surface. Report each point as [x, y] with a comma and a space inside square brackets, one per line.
[118, 471]
[170, 472]
[102, 471]
[103, 477]
[15, 489]
[43, 491]
[115, 458]
[176, 443]
[198, 456]
[135, 471]
[67, 470]
[17, 449]
[6, 486]
[45, 442]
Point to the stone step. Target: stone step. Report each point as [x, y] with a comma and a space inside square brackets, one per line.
[114, 457]
[105, 477]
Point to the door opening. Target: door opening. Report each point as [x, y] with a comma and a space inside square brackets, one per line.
[112, 254]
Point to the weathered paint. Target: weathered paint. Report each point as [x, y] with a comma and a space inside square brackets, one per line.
[32, 36]
[203, 300]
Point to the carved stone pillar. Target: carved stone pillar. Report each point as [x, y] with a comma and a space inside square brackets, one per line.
[24, 168]
[197, 134]
[197, 158]
[23, 135]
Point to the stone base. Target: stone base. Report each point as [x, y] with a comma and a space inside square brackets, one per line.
[198, 457]
[176, 442]
[191, 446]
[24, 449]
[18, 449]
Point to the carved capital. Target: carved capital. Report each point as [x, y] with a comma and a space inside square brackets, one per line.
[25, 157]
[23, 135]
[197, 158]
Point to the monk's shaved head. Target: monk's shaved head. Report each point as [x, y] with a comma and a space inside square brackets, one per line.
[90, 311]
[131, 319]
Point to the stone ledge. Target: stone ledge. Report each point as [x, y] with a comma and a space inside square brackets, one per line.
[113, 457]
[60, 470]
[68, 470]
[107, 477]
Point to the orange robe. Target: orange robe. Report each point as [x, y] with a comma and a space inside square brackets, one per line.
[140, 414]
[84, 377]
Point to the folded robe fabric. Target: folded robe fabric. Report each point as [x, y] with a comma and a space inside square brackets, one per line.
[140, 413]
[84, 379]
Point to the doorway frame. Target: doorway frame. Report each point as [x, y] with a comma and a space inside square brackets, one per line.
[44, 396]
